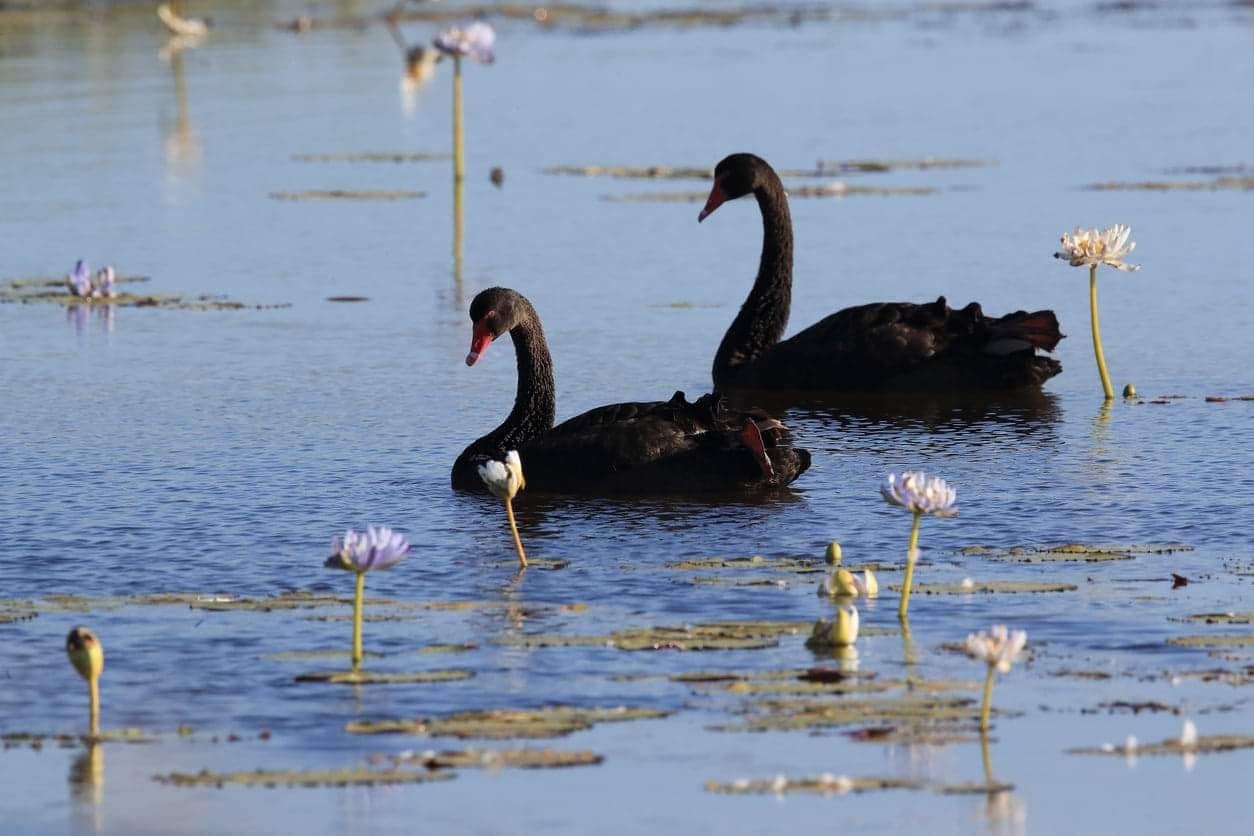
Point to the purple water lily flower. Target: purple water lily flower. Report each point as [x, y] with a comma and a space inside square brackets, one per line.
[375, 548]
[79, 281]
[478, 41]
[106, 280]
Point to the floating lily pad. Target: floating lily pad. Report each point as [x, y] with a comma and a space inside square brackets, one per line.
[849, 684]
[37, 740]
[369, 678]
[1237, 640]
[10, 616]
[1233, 183]
[54, 291]
[1096, 675]
[773, 583]
[347, 194]
[500, 759]
[824, 785]
[348, 298]
[780, 564]
[543, 563]
[801, 714]
[1132, 707]
[1172, 746]
[988, 588]
[502, 724]
[448, 648]
[972, 788]
[368, 617]
[307, 778]
[373, 157]
[730, 635]
[1217, 618]
[911, 735]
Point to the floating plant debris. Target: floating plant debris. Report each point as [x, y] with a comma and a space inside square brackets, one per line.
[1171, 746]
[1127, 706]
[498, 759]
[730, 635]
[373, 157]
[348, 194]
[53, 291]
[1095, 675]
[348, 298]
[824, 190]
[988, 588]
[305, 778]
[503, 724]
[824, 784]
[371, 678]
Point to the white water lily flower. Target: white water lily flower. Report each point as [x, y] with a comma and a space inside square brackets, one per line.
[1084, 248]
[504, 479]
[1188, 734]
[999, 647]
[478, 41]
[919, 493]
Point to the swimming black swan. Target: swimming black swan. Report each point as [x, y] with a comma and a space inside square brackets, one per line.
[884, 346]
[660, 447]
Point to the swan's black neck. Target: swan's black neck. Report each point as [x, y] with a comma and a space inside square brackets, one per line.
[764, 315]
[535, 403]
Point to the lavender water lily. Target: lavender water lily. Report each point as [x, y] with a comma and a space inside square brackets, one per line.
[919, 494]
[477, 42]
[375, 549]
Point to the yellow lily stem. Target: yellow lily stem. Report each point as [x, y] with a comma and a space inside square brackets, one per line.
[513, 527]
[358, 596]
[1097, 335]
[93, 697]
[987, 708]
[459, 145]
[910, 557]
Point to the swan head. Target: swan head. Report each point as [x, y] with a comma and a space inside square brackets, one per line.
[493, 312]
[735, 176]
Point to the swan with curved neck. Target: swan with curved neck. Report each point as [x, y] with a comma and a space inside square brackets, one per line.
[883, 346]
[656, 447]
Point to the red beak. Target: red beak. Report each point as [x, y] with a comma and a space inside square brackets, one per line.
[480, 339]
[752, 438]
[714, 201]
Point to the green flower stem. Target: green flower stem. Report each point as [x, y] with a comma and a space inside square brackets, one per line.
[358, 596]
[1097, 335]
[459, 143]
[910, 557]
[987, 707]
[988, 760]
[513, 527]
[93, 697]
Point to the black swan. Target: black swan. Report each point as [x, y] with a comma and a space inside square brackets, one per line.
[884, 346]
[661, 447]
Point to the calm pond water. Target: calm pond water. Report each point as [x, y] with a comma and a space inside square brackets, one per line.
[217, 452]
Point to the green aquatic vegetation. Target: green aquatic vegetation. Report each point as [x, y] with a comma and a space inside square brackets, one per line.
[1216, 618]
[824, 785]
[1094, 675]
[730, 635]
[911, 710]
[504, 724]
[972, 788]
[8, 616]
[1230, 640]
[1072, 552]
[373, 157]
[360, 677]
[543, 563]
[1204, 744]
[347, 194]
[353, 777]
[988, 588]
[463, 647]
[1230, 183]
[499, 759]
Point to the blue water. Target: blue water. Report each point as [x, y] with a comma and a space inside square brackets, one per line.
[218, 451]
